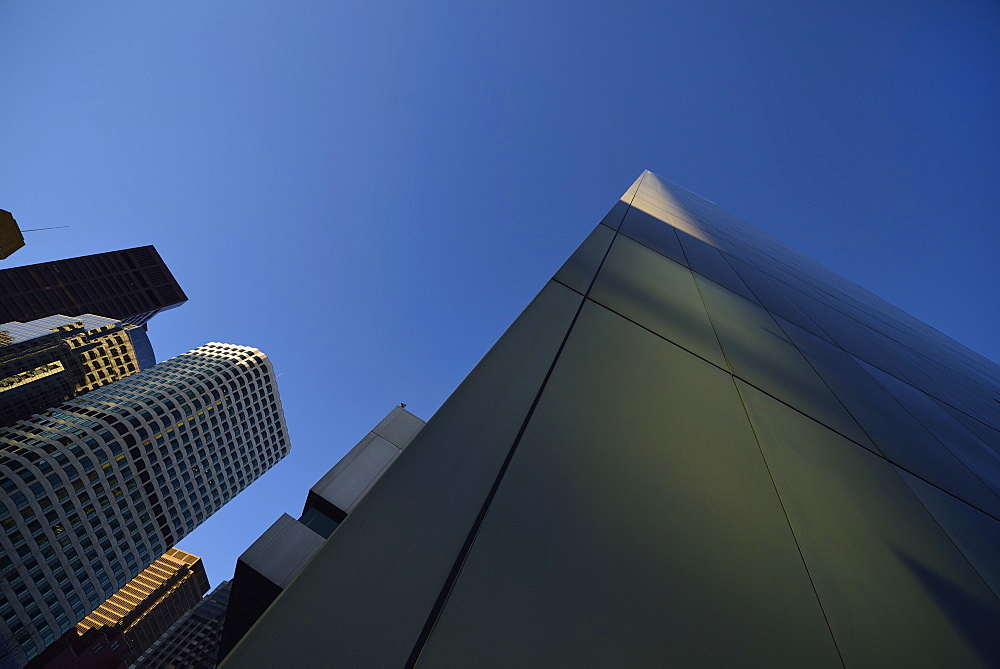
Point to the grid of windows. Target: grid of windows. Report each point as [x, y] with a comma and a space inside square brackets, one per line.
[130, 285]
[150, 602]
[193, 640]
[97, 488]
[91, 351]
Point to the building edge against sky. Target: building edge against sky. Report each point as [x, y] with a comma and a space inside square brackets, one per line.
[278, 555]
[130, 285]
[11, 238]
[97, 488]
[696, 446]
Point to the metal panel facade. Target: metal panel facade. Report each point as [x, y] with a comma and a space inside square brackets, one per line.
[696, 447]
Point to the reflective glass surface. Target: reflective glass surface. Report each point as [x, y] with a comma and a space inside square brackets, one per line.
[772, 298]
[894, 431]
[976, 534]
[708, 262]
[373, 583]
[966, 446]
[613, 219]
[987, 434]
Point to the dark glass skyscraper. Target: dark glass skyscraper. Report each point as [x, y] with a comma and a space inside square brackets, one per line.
[695, 447]
[131, 285]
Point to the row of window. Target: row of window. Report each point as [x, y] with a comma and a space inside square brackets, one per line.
[200, 451]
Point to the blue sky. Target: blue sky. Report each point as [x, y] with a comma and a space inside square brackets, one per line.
[370, 193]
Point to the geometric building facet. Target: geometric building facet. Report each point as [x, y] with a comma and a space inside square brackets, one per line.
[695, 447]
[277, 556]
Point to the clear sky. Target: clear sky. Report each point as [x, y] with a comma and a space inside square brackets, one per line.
[370, 193]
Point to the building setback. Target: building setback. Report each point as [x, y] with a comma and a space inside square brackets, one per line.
[134, 617]
[695, 447]
[95, 489]
[278, 555]
[53, 359]
[192, 642]
[131, 285]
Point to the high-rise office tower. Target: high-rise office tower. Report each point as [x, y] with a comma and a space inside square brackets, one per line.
[53, 359]
[192, 642]
[695, 447]
[131, 285]
[95, 489]
[135, 616]
[153, 600]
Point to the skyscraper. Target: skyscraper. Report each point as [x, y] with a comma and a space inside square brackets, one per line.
[56, 358]
[153, 600]
[695, 447]
[135, 616]
[95, 489]
[192, 642]
[131, 285]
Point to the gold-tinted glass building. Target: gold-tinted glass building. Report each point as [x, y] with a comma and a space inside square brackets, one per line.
[133, 618]
[152, 601]
[695, 447]
[54, 359]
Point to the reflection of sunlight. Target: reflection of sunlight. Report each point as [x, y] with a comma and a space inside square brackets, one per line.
[654, 199]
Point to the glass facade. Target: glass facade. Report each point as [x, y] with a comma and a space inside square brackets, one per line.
[136, 616]
[695, 447]
[149, 603]
[93, 490]
[131, 285]
[52, 359]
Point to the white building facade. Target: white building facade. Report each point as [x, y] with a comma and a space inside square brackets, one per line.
[96, 489]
